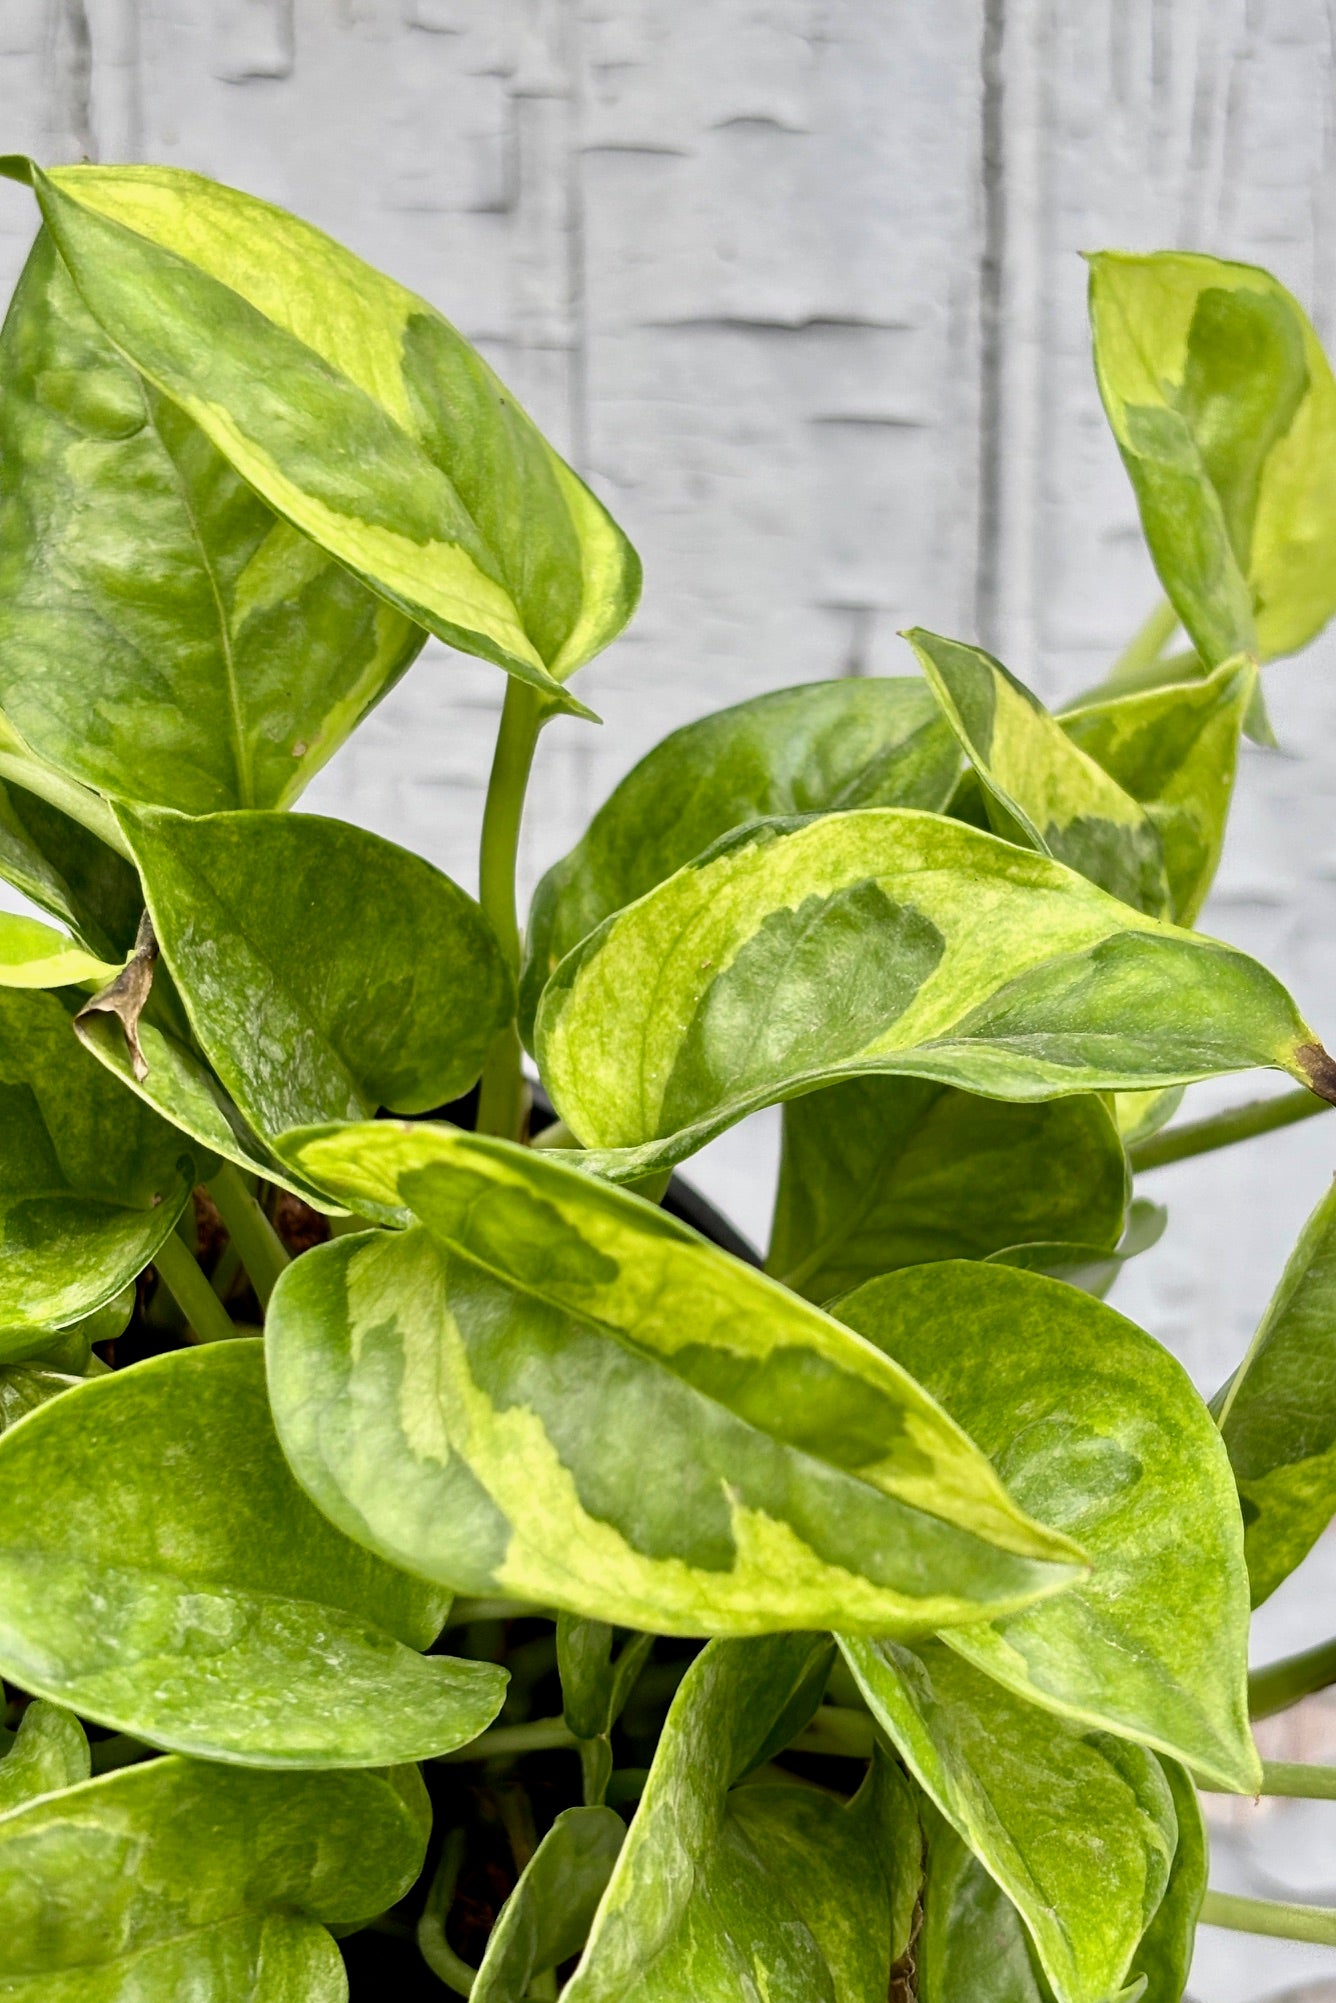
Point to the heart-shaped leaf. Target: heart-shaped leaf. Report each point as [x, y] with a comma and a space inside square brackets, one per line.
[1175, 749]
[49, 1752]
[33, 955]
[882, 940]
[1077, 1827]
[352, 408]
[164, 637]
[196, 1881]
[1278, 1411]
[827, 746]
[878, 1173]
[326, 972]
[162, 1573]
[90, 1182]
[1100, 1432]
[1092, 1268]
[67, 871]
[1040, 788]
[547, 1917]
[1224, 410]
[556, 1392]
[714, 1881]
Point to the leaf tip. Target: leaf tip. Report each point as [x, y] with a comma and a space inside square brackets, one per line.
[17, 167]
[1317, 1070]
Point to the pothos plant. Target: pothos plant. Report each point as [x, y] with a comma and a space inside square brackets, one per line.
[558, 1596]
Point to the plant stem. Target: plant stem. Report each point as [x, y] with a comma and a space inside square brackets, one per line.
[1285, 1922]
[501, 1099]
[837, 1731]
[1221, 1130]
[1144, 648]
[1283, 1683]
[433, 1946]
[180, 1273]
[507, 1741]
[258, 1245]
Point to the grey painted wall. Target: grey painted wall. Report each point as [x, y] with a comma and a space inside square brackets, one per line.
[796, 283]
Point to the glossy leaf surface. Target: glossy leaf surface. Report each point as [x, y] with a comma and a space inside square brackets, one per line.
[190, 1097]
[164, 637]
[33, 955]
[162, 1573]
[1099, 1430]
[1278, 1413]
[49, 1752]
[90, 1181]
[1039, 786]
[817, 749]
[718, 1888]
[598, 1668]
[1175, 749]
[352, 408]
[1092, 1268]
[1224, 410]
[973, 1947]
[878, 1173]
[883, 940]
[326, 972]
[174, 1879]
[1165, 1954]
[68, 872]
[547, 1917]
[556, 1392]
[1077, 1827]
[25, 1386]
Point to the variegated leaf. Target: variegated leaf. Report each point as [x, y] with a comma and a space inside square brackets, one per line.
[556, 1392]
[1224, 409]
[352, 408]
[1039, 787]
[33, 955]
[794, 953]
[164, 637]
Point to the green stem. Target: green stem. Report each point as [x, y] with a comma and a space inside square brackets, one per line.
[258, 1245]
[508, 1741]
[1285, 1922]
[1283, 1683]
[89, 809]
[501, 1101]
[838, 1732]
[1221, 1130]
[433, 1946]
[1144, 648]
[180, 1273]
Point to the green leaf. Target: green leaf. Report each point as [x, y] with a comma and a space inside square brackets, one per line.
[878, 1173]
[1278, 1412]
[1224, 410]
[175, 1879]
[90, 1182]
[556, 1392]
[352, 408]
[162, 1573]
[68, 872]
[50, 1752]
[190, 1097]
[1092, 1268]
[973, 1947]
[164, 637]
[326, 972]
[824, 747]
[1099, 1431]
[547, 1917]
[1175, 749]
[716, 1883]
[797, 952]
[25, 1386]
[1076, 1826]
[1165, 1954]
[1040, 788]
[595, 1683]
[33, 955]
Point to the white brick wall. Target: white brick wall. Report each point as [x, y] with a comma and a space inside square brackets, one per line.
[796, 283]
